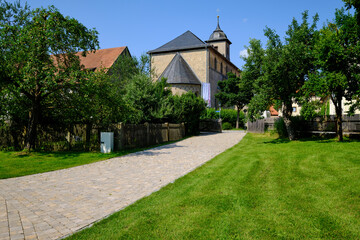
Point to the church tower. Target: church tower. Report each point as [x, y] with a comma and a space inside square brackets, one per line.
[219, 41]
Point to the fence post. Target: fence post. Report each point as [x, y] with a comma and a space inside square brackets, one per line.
[121, 136]
[147, 133]
[167, 132]
[182, 130]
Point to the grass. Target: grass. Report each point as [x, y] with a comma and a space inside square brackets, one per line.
[16, 164]
[262, 188]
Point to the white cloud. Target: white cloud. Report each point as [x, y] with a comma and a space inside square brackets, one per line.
[244, 53]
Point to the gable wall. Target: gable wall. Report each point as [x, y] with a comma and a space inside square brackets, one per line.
[195, 58]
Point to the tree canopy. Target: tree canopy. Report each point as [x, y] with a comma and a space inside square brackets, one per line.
[235, 91]
[282, 68]
[38, 55]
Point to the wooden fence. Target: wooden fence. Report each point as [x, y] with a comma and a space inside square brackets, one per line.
[350, 125]
[86, 137]
[261, 125]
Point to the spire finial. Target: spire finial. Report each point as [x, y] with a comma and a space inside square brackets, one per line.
[218, 25]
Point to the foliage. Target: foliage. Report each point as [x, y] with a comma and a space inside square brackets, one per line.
[284, 67]
[97, 101]
[38, 50]
[253, 70]
[187, 108]
[337, 53]
[235, 91]
[146, 100]
[126, 67]
[309, 109]
[356, 5]
[226, 126]
[262, 188]
[227, 115]
[280, 128]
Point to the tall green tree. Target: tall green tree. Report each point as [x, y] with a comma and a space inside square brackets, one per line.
[235, 91]
[338, 54]
[253, 73]
[39, 53]
[286, 66]
[146, 100]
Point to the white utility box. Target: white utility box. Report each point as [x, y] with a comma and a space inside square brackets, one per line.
[106, 142]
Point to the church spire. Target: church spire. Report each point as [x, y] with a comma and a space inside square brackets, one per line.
[218, 25]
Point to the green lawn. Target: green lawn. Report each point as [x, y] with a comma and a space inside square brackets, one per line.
[262, 188]
[16, 164]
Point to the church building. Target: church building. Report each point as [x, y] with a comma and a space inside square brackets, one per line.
[189, 64]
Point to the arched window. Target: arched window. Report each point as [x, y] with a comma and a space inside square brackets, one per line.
[215, 64]
[221, 68]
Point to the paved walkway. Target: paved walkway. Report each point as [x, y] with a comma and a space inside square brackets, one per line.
[55, 204]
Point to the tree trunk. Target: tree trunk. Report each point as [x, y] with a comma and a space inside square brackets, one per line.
[237, 118]
[338, 109]
[339, 131]
[31, 133]
[287, 111]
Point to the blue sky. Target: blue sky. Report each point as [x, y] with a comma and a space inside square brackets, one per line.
[145, 25]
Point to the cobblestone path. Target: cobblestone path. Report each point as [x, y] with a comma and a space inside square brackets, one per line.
[55, 204]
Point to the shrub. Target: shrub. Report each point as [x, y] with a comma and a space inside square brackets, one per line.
[227, 115]
[226, 126]
[279, 127]
[187, 108]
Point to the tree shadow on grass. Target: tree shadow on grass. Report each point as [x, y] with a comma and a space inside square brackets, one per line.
[311, 139]
[278, 141]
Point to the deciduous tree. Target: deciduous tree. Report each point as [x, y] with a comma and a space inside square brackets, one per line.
[38, 48]
[338, 56]
[285, 67]
[235, 91]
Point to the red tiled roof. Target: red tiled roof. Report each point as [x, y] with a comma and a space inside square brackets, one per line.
[103, 58]
[273, 112]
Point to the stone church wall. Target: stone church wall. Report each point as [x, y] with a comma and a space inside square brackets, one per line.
[195, 58]
[179, 89]
[215, 77]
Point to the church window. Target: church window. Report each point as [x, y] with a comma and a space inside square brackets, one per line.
[215, 64]
[221, 68]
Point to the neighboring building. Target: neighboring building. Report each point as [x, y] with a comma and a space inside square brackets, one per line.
[103, 58]
[327, 101]
[189, 64]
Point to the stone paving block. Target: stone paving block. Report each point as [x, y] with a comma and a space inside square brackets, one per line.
[54, 204]
[17, 237]
[4, 235]
[30, 237]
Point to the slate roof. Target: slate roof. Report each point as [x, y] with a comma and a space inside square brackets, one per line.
[187, 40]
[179, 72]
[103, 58]
[218, 34]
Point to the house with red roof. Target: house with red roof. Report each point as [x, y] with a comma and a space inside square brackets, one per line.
[103, 58]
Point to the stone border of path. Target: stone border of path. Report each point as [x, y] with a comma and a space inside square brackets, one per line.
[57, 204]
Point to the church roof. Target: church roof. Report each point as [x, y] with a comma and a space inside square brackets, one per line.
[218, 34]
[179, 72]
[187, 40]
